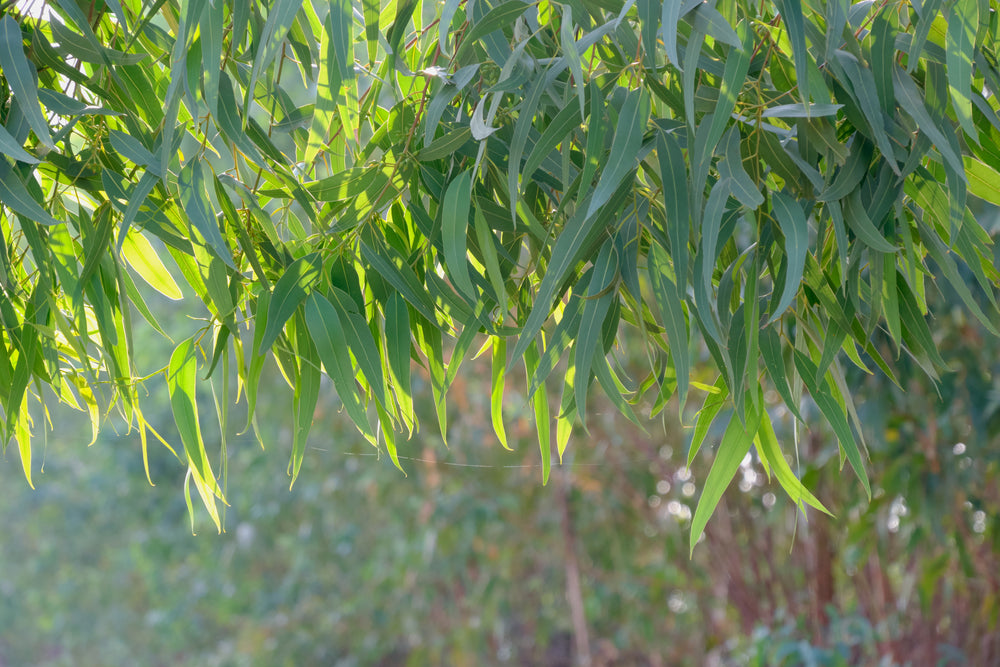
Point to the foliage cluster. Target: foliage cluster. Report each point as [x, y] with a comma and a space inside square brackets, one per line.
[347, 187]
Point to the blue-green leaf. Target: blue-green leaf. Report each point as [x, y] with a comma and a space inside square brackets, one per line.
[331, 345]
[14, 194]
[963, 22]
[279, 22]
[796, 230]
[21, 77]
[10, 147]
[455, 231]
[198, 207]
[290, 290]
[624, 147]
[912, 102]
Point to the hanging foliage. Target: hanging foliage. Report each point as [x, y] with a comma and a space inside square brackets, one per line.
[354, 186]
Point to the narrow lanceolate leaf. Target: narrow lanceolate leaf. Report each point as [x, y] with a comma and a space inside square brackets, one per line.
[589, 347]
[305, 396]
[963, 21]
[735, 444]
[198, 207]
[671, 309]
[710, 409]
[362, 344]
[731, 167]
[331, 346]
[279, 22]
[834, 415]
[770, 451]
[397, 344]
[497, 389]
[796, 230]
[10, 147]
[211, 30]
[142, 257]
[912, 102]
[523, 127]
[624, 147]
[327, 89]
[791, 15]
[711, 128]
[23, 434]
[341, 16]
[673, 173]
[540, 407]
[20, 75]
[984, 180]
[290, 290]
[573, 56]
[455, 231]
[668, 23]
[371, 12]
[14, 194]
[182, 377]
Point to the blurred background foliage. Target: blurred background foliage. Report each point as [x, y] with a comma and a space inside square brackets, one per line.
[471, 561]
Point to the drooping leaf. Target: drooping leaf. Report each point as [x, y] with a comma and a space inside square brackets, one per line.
[21, 76]
[289, 292]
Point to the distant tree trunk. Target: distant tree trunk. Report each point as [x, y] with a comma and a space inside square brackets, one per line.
[820, 561]
[574, 592]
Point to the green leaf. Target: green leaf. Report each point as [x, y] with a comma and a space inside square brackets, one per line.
[735, 445]
[499, 370]
[496, 18]
[540, 407]
[397, 272]
[198, 207]
[280, 16]
[882, 60]
[774, 362]
[446, 145]
[770, 452]
[14, 194]
[963, 22]
[361, 343]
[859, 222]
[731, 168]
[305, 396]
[455, 231]
[568, 43]
[555, 133]
[182, 376]
[668, 22]
[714, 402]
[397, 344]
[20, 75]
[624, 147]
[796, 230]
[10, 147]
[912, 102]
[800, 110]
[600, 293]
[671, 309]
[673, 173]
[290, 290]
[834, 415]
[984, 180]
[331, 346]
[791, 16]
[865, 90]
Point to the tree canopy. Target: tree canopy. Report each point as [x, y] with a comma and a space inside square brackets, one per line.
[356, 188]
